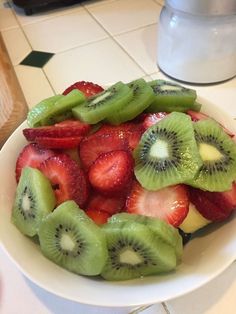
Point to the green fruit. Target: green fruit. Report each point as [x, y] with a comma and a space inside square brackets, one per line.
[34, 200]
[106, 103]
[172, 97]
[134, 251]
[69, 238]
[218, 153]
[143, 96]
[167, 153]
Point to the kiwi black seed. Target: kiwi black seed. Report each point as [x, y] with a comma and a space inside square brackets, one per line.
[100, 106]
[218, 153]
[34, 200]
[167, 153]
[72, 240]
[134, 251]
[172, 97]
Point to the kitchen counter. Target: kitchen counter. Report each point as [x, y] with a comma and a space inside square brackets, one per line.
[104, 42]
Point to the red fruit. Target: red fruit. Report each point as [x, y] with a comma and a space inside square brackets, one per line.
[214, 206]
[170, 204]
[153, 118]
[94, 145]
[111, 205]
[98, 216]
[32, 155]
[67, 128]
[111, 172]
[67, 179]
[59, 142]
[88, 88]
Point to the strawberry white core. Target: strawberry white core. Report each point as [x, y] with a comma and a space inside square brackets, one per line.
[209, 152]
[159, 149]
[130, 257]
[66, 242]
[26, 203]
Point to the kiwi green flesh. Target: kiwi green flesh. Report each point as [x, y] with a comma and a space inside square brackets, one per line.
[100, 106]
[172, 97]
[34, 200]
[134, 251]
[69, 238]
[162, 230]
[218, 153]
[143, 96]
[167, 153]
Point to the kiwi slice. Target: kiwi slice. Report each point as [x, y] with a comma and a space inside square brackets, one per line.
[164, 231]
[34, 200]
[69, 238]
[54, 108]
[167, 153]
[106, 103]
[143, 96]
[218, 153]
[134, 251]
[172, 97]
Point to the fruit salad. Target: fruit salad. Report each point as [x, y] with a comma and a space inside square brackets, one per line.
[114, 182]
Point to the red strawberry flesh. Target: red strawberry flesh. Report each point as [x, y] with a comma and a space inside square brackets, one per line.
[88, 88]
[98, 216]
[59, 142]
[111, 205]
[153, 118]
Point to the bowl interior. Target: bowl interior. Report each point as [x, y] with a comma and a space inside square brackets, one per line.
[206, 256]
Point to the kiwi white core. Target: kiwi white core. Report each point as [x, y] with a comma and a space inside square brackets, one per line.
[128, 256]
[170, 87]
[26, 203]
[209, 152]
[67, 243]
[101, 97]
[159, 149]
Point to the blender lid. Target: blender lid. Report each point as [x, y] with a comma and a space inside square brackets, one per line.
[204, 7]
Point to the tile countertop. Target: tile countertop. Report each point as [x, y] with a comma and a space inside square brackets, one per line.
[103, 42]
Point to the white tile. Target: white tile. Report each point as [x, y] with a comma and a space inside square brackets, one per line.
[122, 16]
[103, 62]
[141, 44]
[7, 19]
[93, 3]
[34, 84]
[64, 32]
[15, 38]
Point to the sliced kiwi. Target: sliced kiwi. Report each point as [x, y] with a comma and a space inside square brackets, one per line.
[106, 103]
[172, 97]
[69, 238]
[34, 200]
[54, 109]
[164, 231]
[218, 153]
[143, 96]
[167, 153]
[134, 251]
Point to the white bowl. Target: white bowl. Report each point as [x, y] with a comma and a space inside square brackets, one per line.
[204, 258]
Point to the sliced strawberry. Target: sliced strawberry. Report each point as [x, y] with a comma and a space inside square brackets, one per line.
[153, 118]
[88, 88]
[67, 128]
[196, 116]
[111, 172]
[59, 142]
[111, 205]
[94, 145]
[67, 179]
[170, 204]
[31, 155]
[214, 206]
[98, 216]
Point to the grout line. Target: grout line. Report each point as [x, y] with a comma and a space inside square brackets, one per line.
[165, 307]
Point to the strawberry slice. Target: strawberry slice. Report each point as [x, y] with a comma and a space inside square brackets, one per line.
[98, 216]
[67, 178]
[111, 205]
[170, 204]
[94, 145]
[111, 172]
[153, 118]
[214, 206]
[88, 88]
[31, 155]
[59, 142]
[67, 128]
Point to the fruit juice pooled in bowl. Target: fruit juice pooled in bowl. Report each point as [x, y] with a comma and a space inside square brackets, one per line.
[112, 182]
